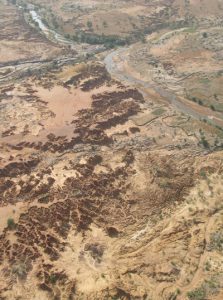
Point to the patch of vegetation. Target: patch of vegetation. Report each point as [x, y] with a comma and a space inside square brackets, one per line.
[165, 184]
[95, 39]
[203, 141]
[219, 107]
[53, 278]
[207, 266]
[12, 2]
[219, 127]
[89, 25]
[216, 241]
[196, 100]
[11, 224]
[205, 80]
[158, 112]
[191, 29]
[208, 287]
[19, 270]
[174, 295]
[197, 294]
[203, 174]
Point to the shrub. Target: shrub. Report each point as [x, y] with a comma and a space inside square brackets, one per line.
[208, 287]
[204, 142]
[203, 174]
[19, 270]
[53, 278]
[216, 241]
[11, 224]
[197, 294]
[89, 24]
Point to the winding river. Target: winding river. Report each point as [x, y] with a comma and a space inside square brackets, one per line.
[182, 105]
[116, 70]
[49, 33]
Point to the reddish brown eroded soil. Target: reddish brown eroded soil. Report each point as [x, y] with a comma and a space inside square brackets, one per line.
[42, 230]
[69, 186]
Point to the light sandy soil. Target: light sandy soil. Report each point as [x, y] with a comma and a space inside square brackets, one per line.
[64, 104]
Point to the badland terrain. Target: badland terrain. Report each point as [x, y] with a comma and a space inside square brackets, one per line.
[111, 149]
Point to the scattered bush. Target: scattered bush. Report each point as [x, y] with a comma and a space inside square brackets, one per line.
[216, 241]
[208, 287]
[19, 270]
[197, 294]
